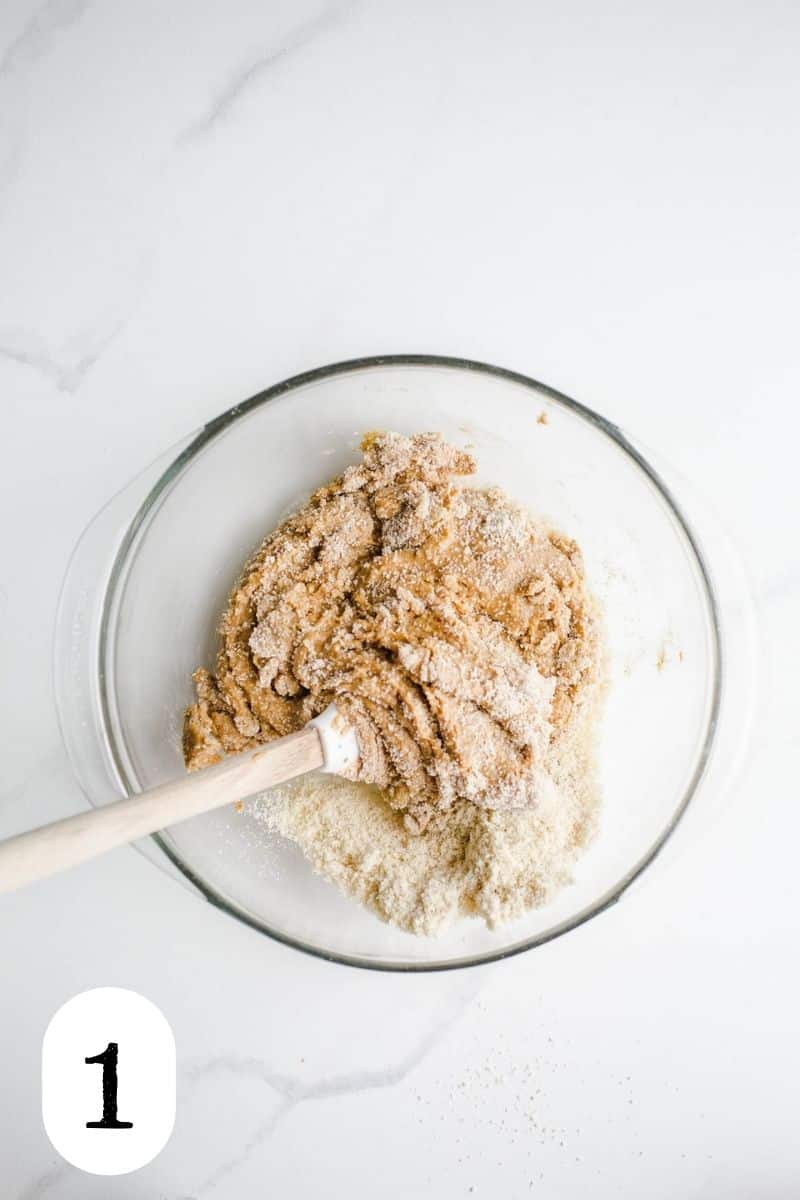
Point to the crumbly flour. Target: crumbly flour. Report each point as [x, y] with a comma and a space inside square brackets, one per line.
[455, 633]
[494, 865]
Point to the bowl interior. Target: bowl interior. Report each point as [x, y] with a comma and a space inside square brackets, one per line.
[248, 471]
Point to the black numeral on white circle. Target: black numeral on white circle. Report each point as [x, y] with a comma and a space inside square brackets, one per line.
[137, 1081]
[108, 1059]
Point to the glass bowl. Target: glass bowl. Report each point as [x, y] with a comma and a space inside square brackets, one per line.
[150, 577]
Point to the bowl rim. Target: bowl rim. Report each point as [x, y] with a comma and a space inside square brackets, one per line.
[212, 429]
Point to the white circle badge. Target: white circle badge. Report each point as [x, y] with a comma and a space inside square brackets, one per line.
[108, 1081]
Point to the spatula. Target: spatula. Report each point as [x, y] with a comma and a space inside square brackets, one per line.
[327, 743]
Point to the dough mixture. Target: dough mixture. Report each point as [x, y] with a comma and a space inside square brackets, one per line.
[455, 633]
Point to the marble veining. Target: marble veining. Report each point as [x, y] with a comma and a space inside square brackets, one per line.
[294, 1091]
[331, 17]
[68, 366]
[46, 1183]
[34, 40]
[26, 348]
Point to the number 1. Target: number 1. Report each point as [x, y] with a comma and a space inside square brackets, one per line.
[109, 1060]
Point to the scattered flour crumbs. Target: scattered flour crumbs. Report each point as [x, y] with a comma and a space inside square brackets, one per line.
[456, 634]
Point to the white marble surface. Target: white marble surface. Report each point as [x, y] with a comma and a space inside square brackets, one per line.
[199, 199]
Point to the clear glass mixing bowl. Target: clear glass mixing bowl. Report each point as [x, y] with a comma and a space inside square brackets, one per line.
[151, 574]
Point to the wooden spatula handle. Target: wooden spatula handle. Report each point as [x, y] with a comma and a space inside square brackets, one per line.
[66, 843]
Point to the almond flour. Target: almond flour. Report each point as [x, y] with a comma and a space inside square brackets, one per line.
[494, 865]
